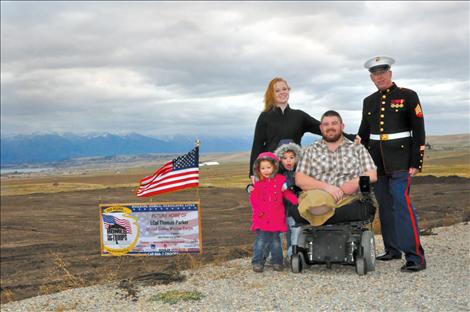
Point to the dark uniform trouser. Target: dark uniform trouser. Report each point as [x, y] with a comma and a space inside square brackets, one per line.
[398, 220]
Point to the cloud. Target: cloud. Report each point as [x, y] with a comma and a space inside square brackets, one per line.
[167, 68]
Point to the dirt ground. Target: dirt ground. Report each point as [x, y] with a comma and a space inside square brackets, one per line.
[51, 242]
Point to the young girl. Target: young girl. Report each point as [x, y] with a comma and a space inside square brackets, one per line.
[290, 153]
[268, 218]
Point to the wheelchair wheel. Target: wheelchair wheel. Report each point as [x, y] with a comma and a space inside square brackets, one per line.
[302, 260]
[368, 245]
[361, 266]
[296, 263]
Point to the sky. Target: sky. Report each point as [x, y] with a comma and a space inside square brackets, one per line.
[201, 68]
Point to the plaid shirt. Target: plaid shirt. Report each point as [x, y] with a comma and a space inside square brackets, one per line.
[349, 161]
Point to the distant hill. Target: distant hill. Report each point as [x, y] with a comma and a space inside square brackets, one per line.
[46, 148]
[53, 148]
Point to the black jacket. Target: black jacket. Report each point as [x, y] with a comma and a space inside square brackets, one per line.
[291, 209]
[392, 111]
[274, 126]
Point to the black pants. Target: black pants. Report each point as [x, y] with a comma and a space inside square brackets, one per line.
[359, 210]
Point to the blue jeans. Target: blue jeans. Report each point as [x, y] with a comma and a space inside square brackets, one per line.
[400, 230]
[265, 240]
[293, 235]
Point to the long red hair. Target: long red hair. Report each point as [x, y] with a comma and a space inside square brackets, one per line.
[269, 101]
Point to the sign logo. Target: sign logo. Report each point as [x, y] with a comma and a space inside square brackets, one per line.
[119, 230]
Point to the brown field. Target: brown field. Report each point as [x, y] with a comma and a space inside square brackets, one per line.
[50, 223]
[449, 155]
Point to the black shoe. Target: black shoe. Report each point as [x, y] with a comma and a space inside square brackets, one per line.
[258, 268]
[413, 267]
[287, 261]
[388, 256]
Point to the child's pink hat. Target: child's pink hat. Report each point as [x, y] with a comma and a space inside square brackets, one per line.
[266, 155]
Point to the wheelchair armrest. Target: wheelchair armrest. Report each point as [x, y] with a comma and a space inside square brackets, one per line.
[364, 184]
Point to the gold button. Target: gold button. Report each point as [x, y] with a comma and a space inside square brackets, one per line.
[382, 116]
[388, 90]
[396, 110]
[381, 122]
[369, 113]
[419, 167]
[420, 160]
[402, 146]
[384, 96]
[383, 102]
[381, 129]
[383, 108]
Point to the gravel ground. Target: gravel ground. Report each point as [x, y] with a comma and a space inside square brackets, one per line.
[444, 286]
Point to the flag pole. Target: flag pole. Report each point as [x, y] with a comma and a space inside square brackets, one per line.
[198, 143]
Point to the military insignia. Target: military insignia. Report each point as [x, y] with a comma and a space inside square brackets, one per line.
[422, 148]
[377, 58]
[397, 103]
[418, 111]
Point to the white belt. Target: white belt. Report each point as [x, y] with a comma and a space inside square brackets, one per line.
[391, 136]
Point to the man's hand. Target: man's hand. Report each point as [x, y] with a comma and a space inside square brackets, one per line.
[357, 140]
[335, 191]
[350, 187]
[413, 171]
[307, 183]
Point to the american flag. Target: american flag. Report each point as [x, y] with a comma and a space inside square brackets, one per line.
[175, 175]
[111, 220]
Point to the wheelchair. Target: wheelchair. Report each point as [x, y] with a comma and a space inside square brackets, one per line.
[345, 238]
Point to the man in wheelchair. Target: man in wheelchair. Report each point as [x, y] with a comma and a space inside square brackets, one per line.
[329, 174]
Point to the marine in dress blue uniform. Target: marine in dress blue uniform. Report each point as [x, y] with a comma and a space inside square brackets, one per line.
[392, 129]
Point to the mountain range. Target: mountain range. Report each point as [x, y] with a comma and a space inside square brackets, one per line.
[46, 148]
[39, 149]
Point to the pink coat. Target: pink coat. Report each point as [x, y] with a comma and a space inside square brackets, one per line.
[268, 208]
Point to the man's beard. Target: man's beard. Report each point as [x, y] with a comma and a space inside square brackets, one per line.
[332, 139]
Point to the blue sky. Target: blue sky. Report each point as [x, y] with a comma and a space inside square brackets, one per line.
[201, 68]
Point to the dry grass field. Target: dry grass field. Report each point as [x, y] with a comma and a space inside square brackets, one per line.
[50, 224]
[449, 155]
[231, 174]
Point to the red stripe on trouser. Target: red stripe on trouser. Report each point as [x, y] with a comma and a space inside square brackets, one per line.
[413, 222]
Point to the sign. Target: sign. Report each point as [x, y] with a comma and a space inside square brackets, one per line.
[155, 229]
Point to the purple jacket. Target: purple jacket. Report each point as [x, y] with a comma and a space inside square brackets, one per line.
[268, 208]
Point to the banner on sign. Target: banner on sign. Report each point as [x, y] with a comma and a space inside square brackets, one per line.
[155, 229]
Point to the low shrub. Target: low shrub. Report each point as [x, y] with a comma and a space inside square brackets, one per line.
[175, 296]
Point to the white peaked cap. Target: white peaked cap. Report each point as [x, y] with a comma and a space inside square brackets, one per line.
[379, 62]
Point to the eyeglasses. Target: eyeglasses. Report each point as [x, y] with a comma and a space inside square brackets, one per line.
[379, 72]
